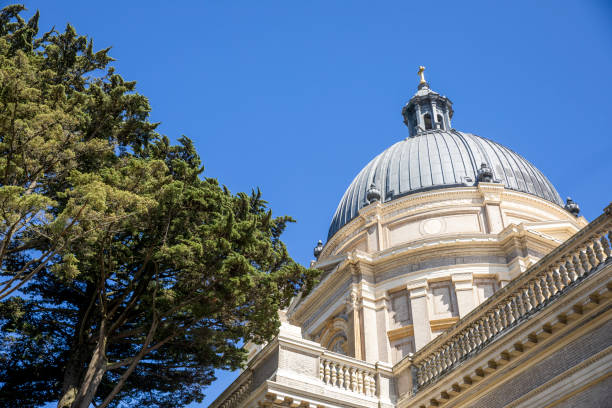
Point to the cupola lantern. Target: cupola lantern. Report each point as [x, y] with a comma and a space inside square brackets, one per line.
[427, 110]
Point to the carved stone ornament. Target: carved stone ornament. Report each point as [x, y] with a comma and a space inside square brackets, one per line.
[572, 207]
[373, 194]
[485, 174]
[318, 249]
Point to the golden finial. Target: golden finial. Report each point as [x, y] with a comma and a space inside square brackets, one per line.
[422, 74]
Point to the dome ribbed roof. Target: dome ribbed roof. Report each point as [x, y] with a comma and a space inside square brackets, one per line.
[439, 159]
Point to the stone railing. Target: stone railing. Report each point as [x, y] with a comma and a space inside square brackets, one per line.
[347, 374]
[543, 282]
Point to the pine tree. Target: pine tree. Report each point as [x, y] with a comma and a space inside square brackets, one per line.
[128, 277]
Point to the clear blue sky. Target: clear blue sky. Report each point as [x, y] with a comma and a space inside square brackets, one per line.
[297, 96]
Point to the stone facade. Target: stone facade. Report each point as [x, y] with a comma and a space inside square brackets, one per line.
[543, 339]
[478, 294]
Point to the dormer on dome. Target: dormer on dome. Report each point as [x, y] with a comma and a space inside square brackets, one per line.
[427, 110]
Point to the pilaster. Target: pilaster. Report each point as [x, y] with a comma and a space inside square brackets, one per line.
[491, 199]
[464, 290]
[420, 313]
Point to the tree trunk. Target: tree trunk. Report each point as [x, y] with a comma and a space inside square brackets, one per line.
[79, 354]
[93, 375]
[72, 376]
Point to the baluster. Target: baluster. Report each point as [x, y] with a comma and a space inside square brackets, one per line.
[469, 344]
[550, 284]
[481, 331]
[471, 339]
[425, 371]
[461, 350]
[360, 381]
[447, 356]
[533, 298]
[354, 382]
[571, 271]
[442, 359]
[476, 335]
[538, 292]
[544, 285]
[605, 243]
[506, 315]
[565, 276]
[327, 372]
[321, 370]
[347, 378]
[334, 375]
[514, 309]
[340, 376]
[501, 318]
[436, 364]
[584, 262]
[373, 384]
[366, 384]
[497, 324]
[599, 253]
[556, 276]
[508, 309]
[578, 267]
[453, 350]
[491, 324]
[591, 256]
[419, 375]
[526, 299]
[520, 305]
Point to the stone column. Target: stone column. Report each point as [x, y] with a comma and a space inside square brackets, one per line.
[464, 290]
[434, 115]
[420, 312]
[419, 118]
[446, 116]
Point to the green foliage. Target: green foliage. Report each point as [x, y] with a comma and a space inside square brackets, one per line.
[128, 277]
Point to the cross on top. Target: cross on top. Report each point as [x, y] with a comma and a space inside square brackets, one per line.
[422, 74]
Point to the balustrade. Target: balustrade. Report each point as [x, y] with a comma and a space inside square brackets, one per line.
[542, 283]
[346, 376]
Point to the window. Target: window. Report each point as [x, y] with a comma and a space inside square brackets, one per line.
[427, 119]
[440, 121]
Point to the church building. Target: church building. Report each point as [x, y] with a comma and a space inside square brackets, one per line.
[454, 275]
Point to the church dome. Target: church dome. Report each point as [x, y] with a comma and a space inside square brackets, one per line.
[437, 156]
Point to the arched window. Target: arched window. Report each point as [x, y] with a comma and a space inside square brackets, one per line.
[427, 118]
[440, 121]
